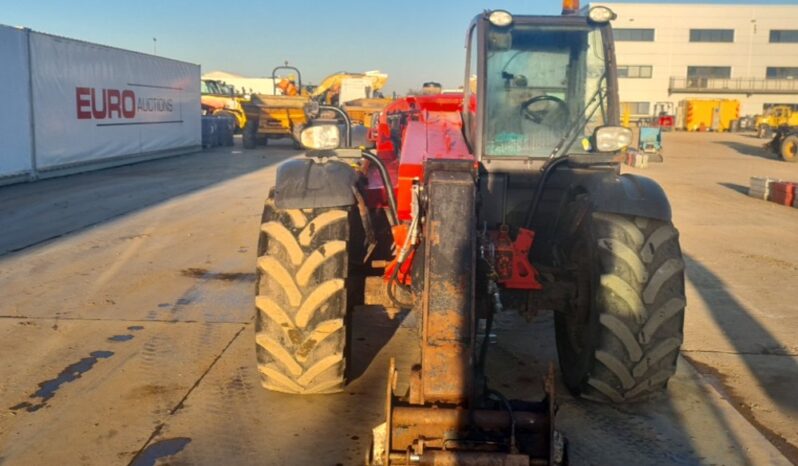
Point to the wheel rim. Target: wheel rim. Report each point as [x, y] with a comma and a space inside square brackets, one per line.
[790, 150]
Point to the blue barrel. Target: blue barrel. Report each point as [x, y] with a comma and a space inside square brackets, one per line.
[225, 127]
[210, 132]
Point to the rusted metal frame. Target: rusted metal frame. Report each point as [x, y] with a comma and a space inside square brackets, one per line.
[460, 458]
[389, 399]
[449, 279]
[432, 424]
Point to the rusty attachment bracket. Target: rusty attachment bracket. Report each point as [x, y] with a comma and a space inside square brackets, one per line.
[438, 434]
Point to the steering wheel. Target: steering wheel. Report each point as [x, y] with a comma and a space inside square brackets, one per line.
[538, 116]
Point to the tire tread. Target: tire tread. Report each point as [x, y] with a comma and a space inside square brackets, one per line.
[301, 302]
[641, 311]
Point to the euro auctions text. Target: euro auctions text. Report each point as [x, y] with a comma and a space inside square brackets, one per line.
[121, 104]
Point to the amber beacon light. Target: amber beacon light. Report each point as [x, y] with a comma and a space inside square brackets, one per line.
[570, 7]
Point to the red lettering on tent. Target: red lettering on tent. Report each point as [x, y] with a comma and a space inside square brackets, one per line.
[128, 104]
[114, 103]
[83, 102]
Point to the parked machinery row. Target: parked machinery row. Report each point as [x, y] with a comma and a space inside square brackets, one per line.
[354, 96]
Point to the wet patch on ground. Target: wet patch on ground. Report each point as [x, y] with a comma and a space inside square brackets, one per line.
[204, 274]
[160, 449]
[48, 388]
[117, 338]
[148, 390]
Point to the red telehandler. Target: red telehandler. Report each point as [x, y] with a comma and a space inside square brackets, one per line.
[508, 196]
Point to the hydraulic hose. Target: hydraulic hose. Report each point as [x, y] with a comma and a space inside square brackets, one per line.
[403, 256]
[393, 216]
[547, 169]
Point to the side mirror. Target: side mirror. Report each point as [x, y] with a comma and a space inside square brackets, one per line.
[611, 138]
[321, 137]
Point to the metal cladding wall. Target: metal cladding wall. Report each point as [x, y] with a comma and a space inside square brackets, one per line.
[90, 106]
[15, 123]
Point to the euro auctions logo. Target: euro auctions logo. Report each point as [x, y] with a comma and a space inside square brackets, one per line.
[122, 104]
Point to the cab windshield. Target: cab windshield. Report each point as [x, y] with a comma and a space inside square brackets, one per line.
[211, 87]
[546, 89]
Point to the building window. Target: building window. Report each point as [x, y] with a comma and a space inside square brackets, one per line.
[633, 35]
[711, 72]
[711, 35]
[634, 71]
[782, 72]
[636, 108]
[784, 35]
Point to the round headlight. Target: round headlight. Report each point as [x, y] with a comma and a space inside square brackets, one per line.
[500, 18]
[601, 14]
[321, 137]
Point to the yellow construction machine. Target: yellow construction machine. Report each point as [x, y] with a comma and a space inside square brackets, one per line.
[774, 117]
[277, 115]
[284, 114]
[357, 94]
[218, 99]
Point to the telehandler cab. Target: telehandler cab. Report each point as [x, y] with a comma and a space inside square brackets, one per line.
[507, 196]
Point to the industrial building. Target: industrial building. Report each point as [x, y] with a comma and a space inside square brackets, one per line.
[670, 52]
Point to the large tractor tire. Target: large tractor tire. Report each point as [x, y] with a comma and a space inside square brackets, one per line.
[788, 148]
[249, 136]
[301, 302]
[620, 338]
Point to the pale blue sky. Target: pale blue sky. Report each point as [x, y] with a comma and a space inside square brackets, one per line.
[411, 40]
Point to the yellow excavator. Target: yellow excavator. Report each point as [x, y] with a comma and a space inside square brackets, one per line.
[284, 113]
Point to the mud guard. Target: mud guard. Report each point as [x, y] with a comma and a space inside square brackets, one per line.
[628, 194]
[306, 183]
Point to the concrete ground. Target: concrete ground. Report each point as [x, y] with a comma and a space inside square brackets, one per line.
[741, 328]
[126, 325]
